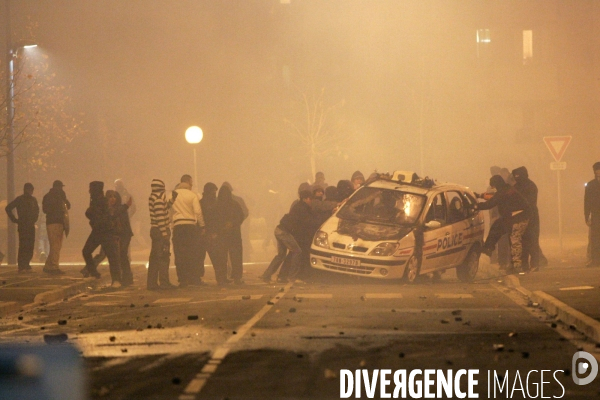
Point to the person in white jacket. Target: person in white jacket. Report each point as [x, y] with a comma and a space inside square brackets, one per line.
[188, 228]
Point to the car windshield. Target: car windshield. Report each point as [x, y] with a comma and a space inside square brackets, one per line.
[383, 206]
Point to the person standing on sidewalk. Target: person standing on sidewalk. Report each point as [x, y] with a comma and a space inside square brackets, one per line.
[55, 206]
[591, 211]
[188, 226]
[28, 211]
[160, 234]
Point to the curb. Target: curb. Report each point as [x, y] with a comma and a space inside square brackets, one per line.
[567, 314]
[556, 308]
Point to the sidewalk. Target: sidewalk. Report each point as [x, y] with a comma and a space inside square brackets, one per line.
[24, 291]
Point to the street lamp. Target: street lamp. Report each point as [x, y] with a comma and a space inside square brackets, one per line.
[11, 242]
[194, 135]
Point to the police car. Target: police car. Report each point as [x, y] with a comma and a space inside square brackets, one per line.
[402, 226]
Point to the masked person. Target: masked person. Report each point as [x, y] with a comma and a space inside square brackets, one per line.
[531, 240]
[103, 233]
[358, 179]
[591, 212]
[514, 217]
[55, 206]
[230, 217]
[159, 205]
[209, 242]
[28, 211]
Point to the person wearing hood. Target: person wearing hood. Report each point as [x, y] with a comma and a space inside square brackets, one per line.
[230, 217]
[531, 242]
[358, 179]
[54, 205]
[345, 188]
[188, 228]
[103, 234]
[514, 217]
[320, 181]
[159, 205]
[28, 211]
[209, 206]
[591, 212]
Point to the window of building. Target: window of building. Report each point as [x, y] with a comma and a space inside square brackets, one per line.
[527, 47]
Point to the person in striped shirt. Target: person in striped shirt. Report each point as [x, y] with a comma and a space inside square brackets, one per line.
[159, 204]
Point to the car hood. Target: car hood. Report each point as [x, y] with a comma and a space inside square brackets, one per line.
[372, 232]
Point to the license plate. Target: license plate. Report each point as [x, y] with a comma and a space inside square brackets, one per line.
[345, 261]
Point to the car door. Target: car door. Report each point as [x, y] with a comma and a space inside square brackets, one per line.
[433, 238]
[454, 247]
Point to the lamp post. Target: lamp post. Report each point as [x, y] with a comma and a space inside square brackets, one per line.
[11, 242]
[194, 135]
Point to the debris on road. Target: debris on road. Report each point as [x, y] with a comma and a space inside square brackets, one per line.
[62, 321]
[192, 317]
[498, 347]
[112, 338]
[292, 309]
[55, 339]
[456, 312]
[247, 297]
[445, 321]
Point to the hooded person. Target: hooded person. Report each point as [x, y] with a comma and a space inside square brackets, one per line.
[54, 205]
[358, 179]
[229, 243]
[591, 212]
[531, 240]
[514, 217]
[209, 243]
[103, 232]
[159, 205]
[345, 188]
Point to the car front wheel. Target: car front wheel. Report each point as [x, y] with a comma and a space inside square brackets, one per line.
[412, 270]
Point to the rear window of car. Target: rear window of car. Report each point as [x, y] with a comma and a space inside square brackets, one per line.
[383, 206]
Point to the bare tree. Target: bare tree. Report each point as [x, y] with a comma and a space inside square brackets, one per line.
[316, 125]
[42, 124]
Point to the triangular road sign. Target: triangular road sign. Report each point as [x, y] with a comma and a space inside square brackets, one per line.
[557, 145]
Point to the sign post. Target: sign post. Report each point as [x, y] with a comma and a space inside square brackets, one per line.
[557, 146]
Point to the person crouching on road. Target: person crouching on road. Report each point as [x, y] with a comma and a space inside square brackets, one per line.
[188, 227]
[103, 232]
[160, 234]
[514, 218]
[28, 211]
[292, 233]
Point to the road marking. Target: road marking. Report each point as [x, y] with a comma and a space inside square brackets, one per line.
[101, 304]
[196, 384]
[172, 300]
[314, 296]
[454, 296]
[252, 297]
[577, 288]
[383, 295]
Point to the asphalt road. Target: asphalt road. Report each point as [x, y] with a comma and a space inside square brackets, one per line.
[261, 341]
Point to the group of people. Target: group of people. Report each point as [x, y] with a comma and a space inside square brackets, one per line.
[55, 206]
[295, 231]
[210, 224]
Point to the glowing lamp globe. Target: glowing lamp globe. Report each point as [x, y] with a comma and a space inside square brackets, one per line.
[193, 134]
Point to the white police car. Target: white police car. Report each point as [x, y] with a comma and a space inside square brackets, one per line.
[401, 226]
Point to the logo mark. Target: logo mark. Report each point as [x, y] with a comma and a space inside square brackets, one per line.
[583, 367]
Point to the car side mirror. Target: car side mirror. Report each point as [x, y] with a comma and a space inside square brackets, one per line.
[433, 224]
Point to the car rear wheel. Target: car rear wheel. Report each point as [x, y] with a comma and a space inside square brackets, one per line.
[468, 269]
[412, 270]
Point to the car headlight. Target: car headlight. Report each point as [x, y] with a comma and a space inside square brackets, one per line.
[321, 239]
[384, 249]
